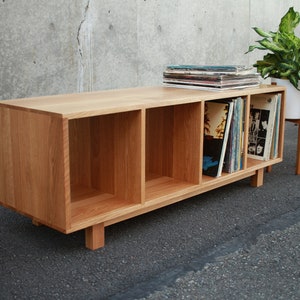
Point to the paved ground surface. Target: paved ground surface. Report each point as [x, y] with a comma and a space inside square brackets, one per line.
[267, 267]
[236, 242]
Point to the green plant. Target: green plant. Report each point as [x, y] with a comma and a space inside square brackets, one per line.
[284, 60]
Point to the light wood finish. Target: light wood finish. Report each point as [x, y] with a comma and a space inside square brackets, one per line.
[94, 236]
[75, 106]
[34, 165]
[297, 121]
[258, 179]
[86, 161]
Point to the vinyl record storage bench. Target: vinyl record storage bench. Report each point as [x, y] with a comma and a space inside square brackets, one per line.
[89, 160]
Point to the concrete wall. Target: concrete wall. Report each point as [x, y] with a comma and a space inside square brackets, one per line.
[66, 46]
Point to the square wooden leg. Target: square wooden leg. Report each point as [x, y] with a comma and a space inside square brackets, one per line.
[94, 236]
[258, 179]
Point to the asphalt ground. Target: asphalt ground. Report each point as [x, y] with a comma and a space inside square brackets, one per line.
[236, 242]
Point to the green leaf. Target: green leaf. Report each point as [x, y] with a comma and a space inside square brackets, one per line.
[263, 33]
[289, 41]
[283, 58]
[251, 48]
[294, 81]
[289, 21]
[265, 71]
[288, 66]
[272, 46]
[285, 74]
[272, 59]
[264, 63]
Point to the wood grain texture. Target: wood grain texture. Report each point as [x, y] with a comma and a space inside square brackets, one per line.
[86, 161]
[94, 236]
[74, 106]
[34, 168]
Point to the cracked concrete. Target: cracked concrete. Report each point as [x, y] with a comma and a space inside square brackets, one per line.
[74, 46]
[79, 28]
[85, 51]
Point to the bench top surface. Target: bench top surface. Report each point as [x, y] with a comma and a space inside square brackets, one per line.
[80, 105]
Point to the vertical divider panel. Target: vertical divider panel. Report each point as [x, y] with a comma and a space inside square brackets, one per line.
[187, 142]
[143, 155]
[201, 152]
[246, 130]
[282, 125]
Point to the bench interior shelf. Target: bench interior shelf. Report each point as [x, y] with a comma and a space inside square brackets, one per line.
[89, 160]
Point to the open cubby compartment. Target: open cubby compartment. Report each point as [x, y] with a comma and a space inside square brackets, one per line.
[173, 146]
[105, 163]
[265, 128]
[236, 144]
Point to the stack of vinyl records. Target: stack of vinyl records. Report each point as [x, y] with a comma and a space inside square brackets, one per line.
[211, 77]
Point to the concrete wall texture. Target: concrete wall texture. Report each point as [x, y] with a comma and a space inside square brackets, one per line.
[68, 46]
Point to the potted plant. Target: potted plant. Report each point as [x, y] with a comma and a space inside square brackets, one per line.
[282, 62]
